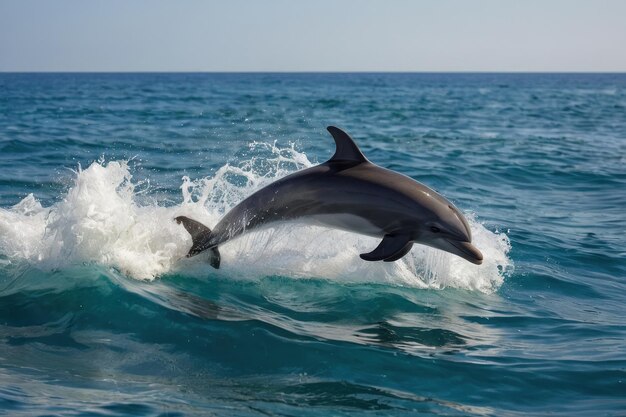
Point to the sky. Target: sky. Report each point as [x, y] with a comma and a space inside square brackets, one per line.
[313, 35]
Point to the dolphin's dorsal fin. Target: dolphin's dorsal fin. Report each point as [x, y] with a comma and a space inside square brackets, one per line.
[347, 151]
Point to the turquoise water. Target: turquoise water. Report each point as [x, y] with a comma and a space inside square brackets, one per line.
[101, 316]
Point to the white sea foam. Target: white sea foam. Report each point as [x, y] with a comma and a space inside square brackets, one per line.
[99, 220]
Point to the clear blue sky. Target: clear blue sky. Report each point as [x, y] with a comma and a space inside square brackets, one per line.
[314, 35]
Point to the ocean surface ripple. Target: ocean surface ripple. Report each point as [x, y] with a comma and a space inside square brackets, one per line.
[102, 315]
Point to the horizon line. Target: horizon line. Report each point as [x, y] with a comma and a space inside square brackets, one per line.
[304, 72]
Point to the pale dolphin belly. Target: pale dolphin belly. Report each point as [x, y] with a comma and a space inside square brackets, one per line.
[349, 222]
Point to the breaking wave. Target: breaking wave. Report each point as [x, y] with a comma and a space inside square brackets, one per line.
[101, 220]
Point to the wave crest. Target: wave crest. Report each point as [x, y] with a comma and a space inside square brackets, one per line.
[100, 220]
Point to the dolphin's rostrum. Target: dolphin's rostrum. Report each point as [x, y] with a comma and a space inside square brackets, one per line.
[348, 192]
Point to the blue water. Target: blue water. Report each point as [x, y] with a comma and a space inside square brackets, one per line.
[100, 315]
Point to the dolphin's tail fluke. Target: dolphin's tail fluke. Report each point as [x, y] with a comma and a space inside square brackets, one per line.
[200, 235]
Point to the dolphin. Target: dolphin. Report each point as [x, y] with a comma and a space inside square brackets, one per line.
[351, 193]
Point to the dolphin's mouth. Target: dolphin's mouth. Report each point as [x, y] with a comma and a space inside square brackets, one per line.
[466, 251]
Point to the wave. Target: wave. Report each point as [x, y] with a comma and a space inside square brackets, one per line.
[101, 219]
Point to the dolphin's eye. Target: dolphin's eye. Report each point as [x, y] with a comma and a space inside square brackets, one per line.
[435, 229]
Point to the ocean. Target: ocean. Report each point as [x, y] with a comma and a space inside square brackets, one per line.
[101, 314]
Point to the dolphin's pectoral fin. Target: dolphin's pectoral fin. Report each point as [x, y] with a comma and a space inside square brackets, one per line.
[200, 235]
[391, 248]
[347, 150]
[406, 249]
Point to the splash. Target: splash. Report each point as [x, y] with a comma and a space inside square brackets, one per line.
[97, 221]
[100, 220]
